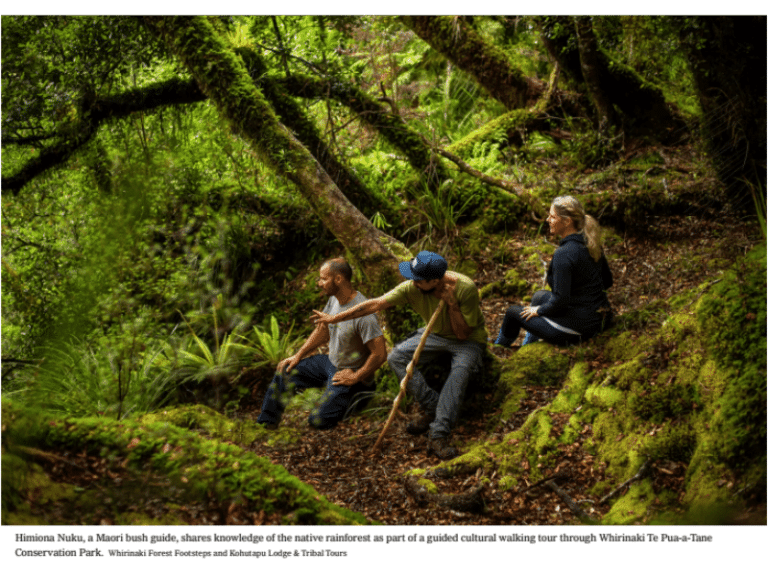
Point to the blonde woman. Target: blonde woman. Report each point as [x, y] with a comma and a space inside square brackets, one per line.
[577, 308]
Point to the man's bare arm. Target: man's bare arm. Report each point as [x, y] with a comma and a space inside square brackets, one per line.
[363, 309]
[376, 358]
[319, 336]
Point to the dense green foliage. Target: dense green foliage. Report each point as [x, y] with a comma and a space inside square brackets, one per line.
[171, 186]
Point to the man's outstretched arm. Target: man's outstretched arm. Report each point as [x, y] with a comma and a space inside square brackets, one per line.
[362, 309]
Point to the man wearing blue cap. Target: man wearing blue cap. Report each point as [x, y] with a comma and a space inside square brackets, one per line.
[459, 331]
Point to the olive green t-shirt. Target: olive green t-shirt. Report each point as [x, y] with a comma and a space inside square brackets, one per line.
[425, 305]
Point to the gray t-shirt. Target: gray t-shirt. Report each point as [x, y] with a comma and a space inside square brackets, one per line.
[347, 347]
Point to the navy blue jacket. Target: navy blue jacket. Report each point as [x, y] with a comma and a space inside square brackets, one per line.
[578, 286]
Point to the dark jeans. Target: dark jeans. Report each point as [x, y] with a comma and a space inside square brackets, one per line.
[313, 372]
[543, 330]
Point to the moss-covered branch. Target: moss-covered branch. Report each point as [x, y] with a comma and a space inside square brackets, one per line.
[455, 40]
[193, 469]
[73, 137]
[222, 76]
[373, 114]
[292, 115]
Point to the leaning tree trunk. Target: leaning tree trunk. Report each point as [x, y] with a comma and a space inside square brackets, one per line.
[291, 114]
[221, 75]
[487, 64]
[391, 126]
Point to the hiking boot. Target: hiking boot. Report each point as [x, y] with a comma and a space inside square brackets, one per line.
[419, 424]
[268, 425]
[441, 448]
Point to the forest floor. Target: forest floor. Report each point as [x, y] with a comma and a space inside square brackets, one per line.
[670, 256]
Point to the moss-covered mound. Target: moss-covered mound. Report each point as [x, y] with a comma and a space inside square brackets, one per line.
[44, 475]
[690, 395]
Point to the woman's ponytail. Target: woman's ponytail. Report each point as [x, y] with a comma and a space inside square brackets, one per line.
[568, 206]
[593, 237]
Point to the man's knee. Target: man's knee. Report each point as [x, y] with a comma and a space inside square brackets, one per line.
[399, 357]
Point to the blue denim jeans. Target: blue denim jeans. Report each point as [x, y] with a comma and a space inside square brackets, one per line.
[466, 359]
[313, 372]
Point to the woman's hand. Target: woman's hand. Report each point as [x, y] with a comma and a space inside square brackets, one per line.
[529, 312]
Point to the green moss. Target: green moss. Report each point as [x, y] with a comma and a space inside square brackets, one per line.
[676, 443]
[631, 508]
[512, 286]
[706, 479]
[26, 481]
[572, 393]
[624, 346]
[663, 401]
[532, 253]
[732, 317]
[537, 364]
[631, 375]
[508, 482]
[620, 442]
[201, 468]
[215, 425]
[428, 485]
[494, 131]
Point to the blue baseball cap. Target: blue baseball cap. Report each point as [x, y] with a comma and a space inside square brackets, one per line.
[426, 266]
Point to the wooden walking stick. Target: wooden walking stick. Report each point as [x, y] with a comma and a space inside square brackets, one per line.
[409, 373]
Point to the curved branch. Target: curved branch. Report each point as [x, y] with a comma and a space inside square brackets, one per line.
[294, 118]
[74, 137]
[51, 156]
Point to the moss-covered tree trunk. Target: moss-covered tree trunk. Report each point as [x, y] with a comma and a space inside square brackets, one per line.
[292, 115]
[221, 75]
[455, 40]
[644, 110]
[727, 56]
[590, 68]
[391, 127]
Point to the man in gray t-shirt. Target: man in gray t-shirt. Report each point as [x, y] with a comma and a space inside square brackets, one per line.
[356, 349]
